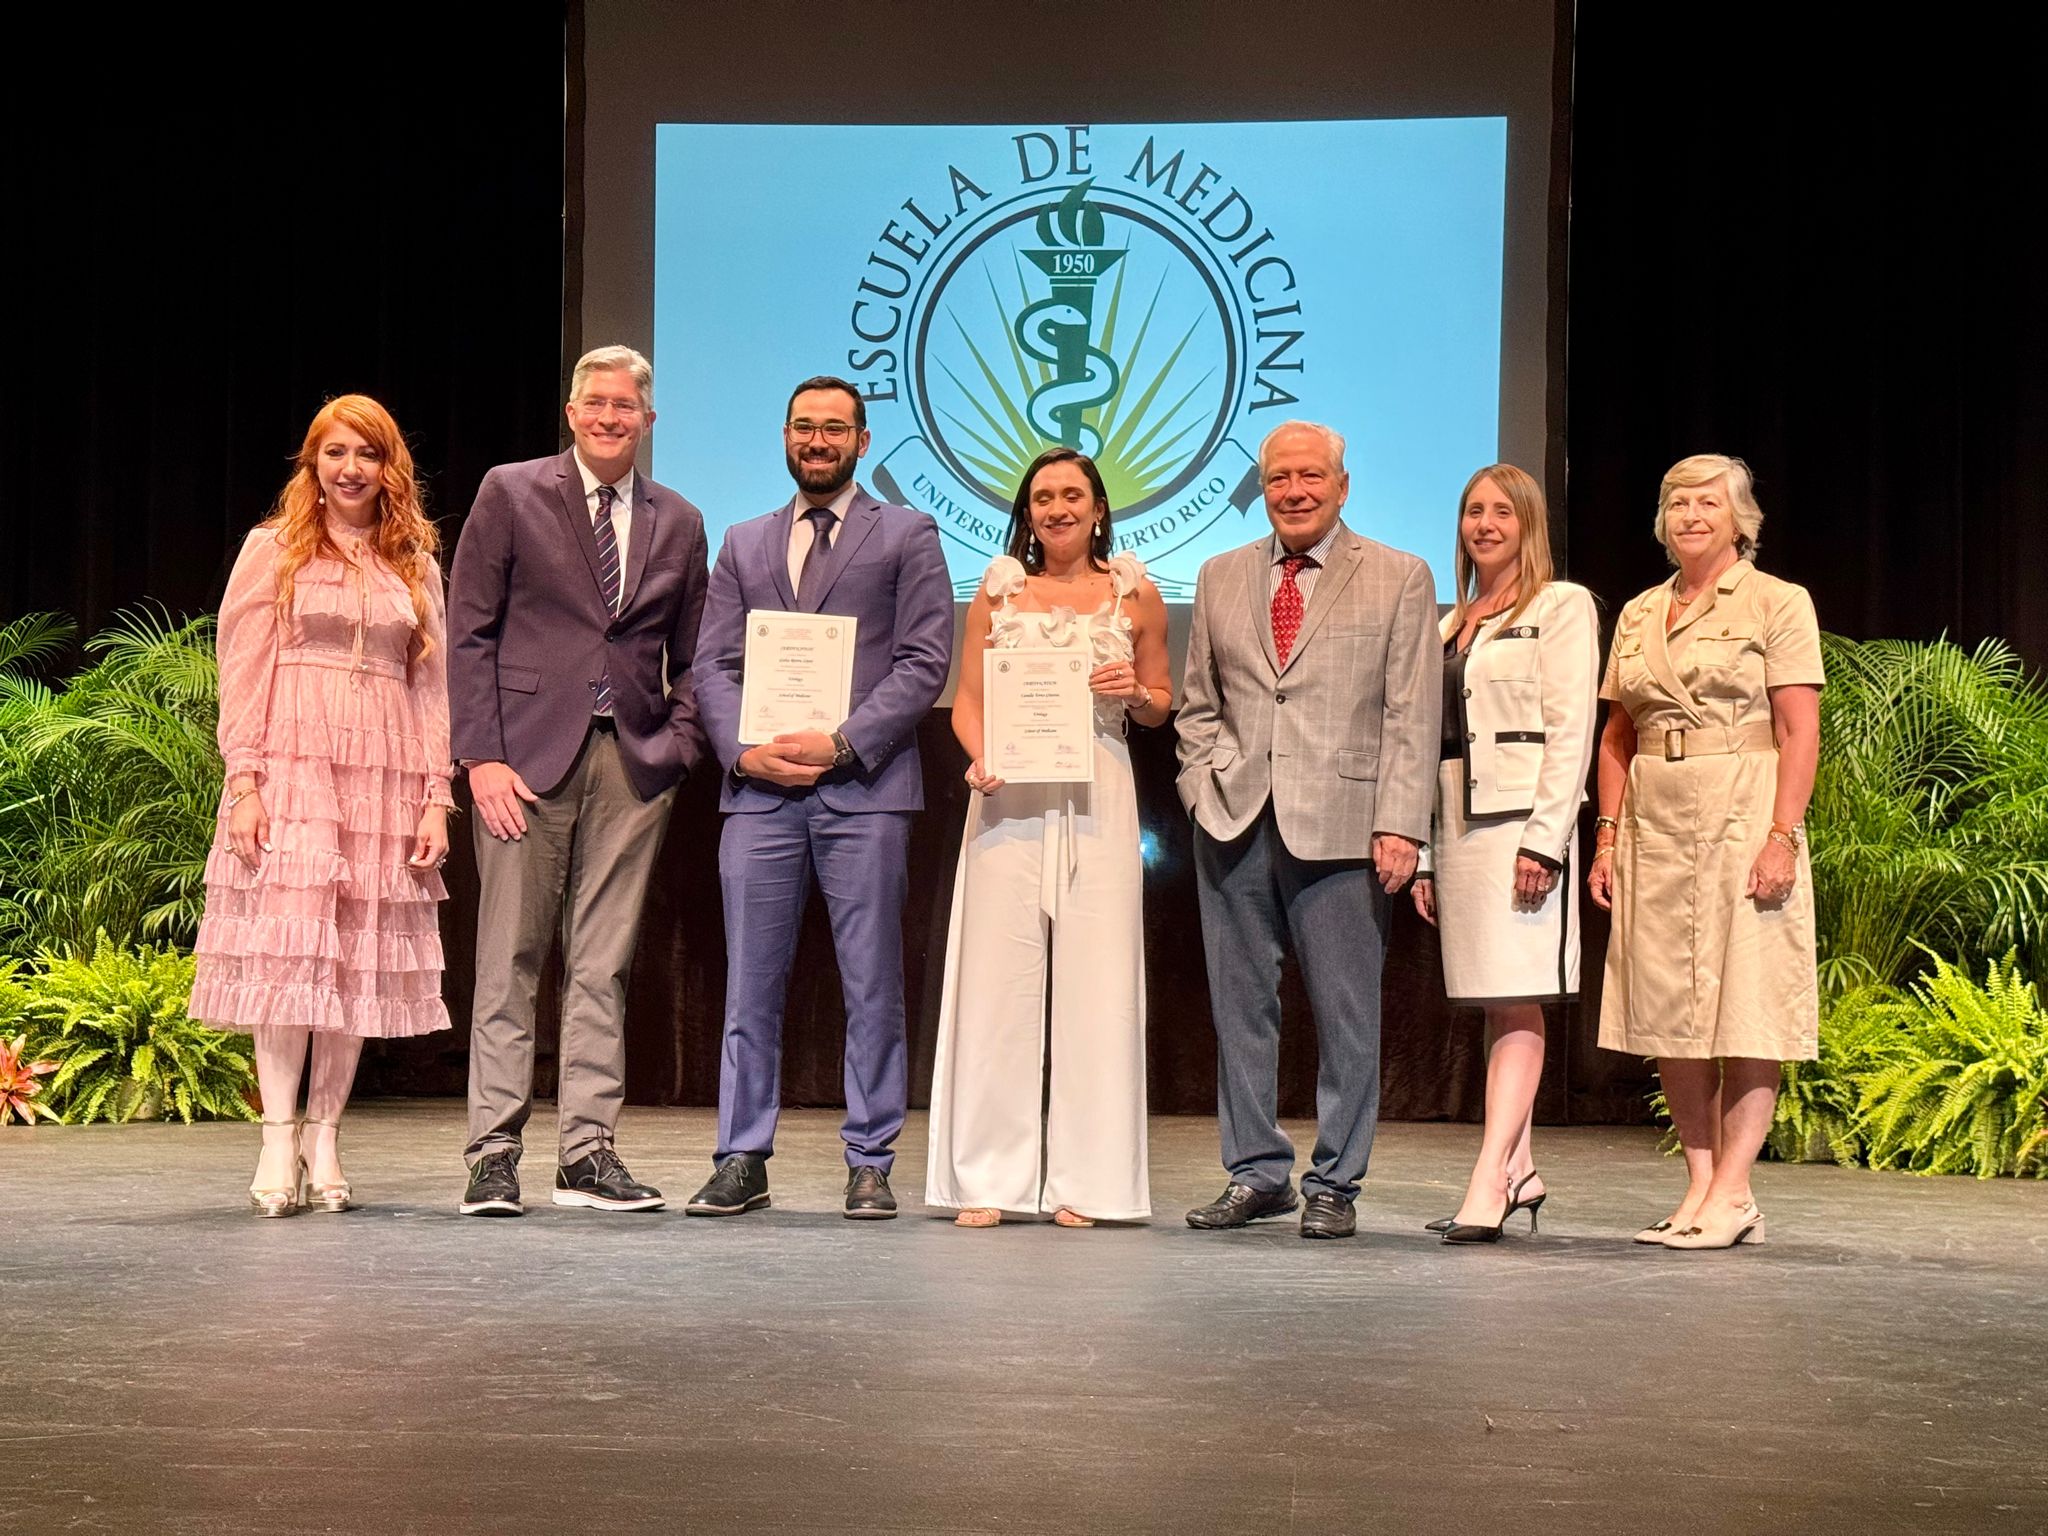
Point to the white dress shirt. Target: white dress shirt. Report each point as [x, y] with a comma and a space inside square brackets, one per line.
[1318, 556]
[622, 510]
[802, 530]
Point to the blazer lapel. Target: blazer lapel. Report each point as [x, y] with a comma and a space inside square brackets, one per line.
[861, 520]
[639, 542]
[779, 525]
[1657, 653]
[1258, 577]
[576, 508]
[1345, 560]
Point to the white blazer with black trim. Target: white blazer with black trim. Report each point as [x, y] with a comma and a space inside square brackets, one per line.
[1526, 714]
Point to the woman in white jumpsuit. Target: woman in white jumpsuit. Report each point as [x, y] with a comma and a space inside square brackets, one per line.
[1050, 887]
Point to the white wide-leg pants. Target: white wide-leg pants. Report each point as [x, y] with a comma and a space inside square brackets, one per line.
[1058, 865]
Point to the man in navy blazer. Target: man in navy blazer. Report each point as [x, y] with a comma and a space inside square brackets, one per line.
[838, 804]
[572, 628]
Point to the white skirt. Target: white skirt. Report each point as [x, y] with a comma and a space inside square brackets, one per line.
[1494, 953]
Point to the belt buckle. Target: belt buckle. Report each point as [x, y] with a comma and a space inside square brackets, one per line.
[1674, 745]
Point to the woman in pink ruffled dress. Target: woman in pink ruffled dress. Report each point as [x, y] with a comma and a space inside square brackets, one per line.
[321, 927]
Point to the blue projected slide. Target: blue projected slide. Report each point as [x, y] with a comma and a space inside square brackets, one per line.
[1159, 295]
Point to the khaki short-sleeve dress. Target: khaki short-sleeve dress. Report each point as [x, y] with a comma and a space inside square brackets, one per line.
[1695, 968]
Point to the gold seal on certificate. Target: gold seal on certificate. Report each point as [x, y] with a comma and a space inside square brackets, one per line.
[1037, 717]
[798, 674]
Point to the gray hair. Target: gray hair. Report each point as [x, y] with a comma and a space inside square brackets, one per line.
[1705, 469]
[614, 360]
[1332, 440]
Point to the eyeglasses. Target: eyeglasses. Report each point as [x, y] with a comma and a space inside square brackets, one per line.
[831, 431]
[626, 410]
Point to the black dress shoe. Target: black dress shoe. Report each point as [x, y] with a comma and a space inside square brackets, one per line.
[493, 1187]
[868, 1197]
[740, 1184]
[601, 1182]
[1328, 1215]
[1239, 1204]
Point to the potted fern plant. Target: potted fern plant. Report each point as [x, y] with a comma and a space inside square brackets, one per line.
[114, 1023]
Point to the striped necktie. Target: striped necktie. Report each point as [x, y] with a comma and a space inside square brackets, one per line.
[607, 582]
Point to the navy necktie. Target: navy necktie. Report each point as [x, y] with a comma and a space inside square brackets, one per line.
[812, 579]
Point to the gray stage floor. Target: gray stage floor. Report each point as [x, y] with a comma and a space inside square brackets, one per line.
[169, 1364]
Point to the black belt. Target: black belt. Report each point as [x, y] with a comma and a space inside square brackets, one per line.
[604, 723]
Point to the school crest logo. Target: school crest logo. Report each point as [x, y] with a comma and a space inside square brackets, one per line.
[1143, 316]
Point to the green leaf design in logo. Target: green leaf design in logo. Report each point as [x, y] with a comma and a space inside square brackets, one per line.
[1143, 433]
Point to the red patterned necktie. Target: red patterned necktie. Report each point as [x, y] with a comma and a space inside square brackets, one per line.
[1287, 607]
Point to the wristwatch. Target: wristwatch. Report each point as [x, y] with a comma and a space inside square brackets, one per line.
[843, 755]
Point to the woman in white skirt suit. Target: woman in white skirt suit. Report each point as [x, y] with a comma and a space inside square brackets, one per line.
[1051, 866]
[1521, 670]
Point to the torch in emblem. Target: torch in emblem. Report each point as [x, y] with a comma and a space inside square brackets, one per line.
[1055, 330]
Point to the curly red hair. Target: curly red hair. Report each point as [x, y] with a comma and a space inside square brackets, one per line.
[403, 537]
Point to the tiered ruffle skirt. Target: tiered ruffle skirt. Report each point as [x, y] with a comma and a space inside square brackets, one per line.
[333, 930]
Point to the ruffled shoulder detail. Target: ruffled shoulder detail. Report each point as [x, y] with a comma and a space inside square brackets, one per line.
[1004, 578]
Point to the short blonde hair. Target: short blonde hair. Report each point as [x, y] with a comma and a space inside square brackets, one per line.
[614, 360]
[1332, 440]
[1704, 469]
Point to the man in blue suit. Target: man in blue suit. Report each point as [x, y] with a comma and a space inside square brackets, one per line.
[836, 804]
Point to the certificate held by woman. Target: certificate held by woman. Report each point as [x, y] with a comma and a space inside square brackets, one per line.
[1040, 716]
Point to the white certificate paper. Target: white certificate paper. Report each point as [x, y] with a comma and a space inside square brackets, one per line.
[1037, 717]
[797, 674]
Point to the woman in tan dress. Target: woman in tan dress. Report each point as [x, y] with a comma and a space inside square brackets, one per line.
[1706, 765]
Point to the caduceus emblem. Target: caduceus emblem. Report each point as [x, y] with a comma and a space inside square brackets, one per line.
[1055, 330]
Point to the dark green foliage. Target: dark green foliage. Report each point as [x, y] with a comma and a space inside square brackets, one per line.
[108, 784]
[1929, 819]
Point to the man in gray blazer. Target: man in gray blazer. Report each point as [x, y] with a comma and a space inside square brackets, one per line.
[1308, 756]
[572, 625]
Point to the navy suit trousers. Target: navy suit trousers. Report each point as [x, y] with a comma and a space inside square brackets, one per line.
[1255, 897]
[765, 863]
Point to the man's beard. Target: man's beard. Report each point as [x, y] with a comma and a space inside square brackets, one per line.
[822, 479]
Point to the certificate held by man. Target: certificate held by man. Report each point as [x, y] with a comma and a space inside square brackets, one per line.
[1038, 717]
[798, 674]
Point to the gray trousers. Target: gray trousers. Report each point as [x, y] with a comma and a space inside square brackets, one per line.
[598, 838]
[1255, 896]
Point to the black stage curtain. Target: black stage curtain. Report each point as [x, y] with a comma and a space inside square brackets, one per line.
[1813, 248]
[1814, 239]
[229, 221]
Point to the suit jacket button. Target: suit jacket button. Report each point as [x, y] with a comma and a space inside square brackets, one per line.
[1279, 698]
[1468, 693]
[1471, 783]
[1471, 735]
